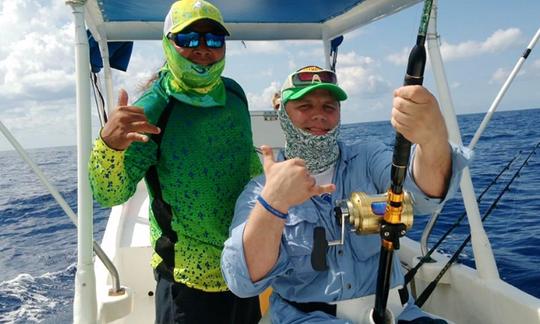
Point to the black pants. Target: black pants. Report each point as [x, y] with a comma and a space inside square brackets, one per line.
[177, 303]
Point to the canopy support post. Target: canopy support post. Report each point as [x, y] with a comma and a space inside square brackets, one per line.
[107, 74]
[483, 254]
[326, 48]
[85, 303]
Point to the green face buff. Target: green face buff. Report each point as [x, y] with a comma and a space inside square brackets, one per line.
[193, 83]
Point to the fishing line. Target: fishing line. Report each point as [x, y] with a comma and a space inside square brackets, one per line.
[100, 105]
[514, 201]
[426, 258]
[432, 285]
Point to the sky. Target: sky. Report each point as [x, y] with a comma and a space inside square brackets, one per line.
[481, 42]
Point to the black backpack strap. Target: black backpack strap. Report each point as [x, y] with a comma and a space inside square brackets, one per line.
[164, 246]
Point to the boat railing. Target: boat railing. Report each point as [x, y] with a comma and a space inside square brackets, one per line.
[116, 287]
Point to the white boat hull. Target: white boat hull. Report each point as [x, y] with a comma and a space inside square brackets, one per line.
[461, 296]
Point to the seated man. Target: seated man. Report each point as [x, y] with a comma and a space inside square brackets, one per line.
[271, 236]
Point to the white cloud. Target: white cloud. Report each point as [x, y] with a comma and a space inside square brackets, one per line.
[367, 89]
[305, 49]
[498, 41]
[399, 58]
[292, 64]
[358, 75]
[38, 123]
[267, 72]
[37, 71]
[355, 34]
[34, 115]
[357, 80]
[499, 76]
[36, 60]
[502, 39]
[311, 53]
[15, 15]
[263, 101]
[254, 47]
[351, 58]
[146, 60]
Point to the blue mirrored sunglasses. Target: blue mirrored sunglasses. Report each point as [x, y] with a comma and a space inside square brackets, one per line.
[192, 39]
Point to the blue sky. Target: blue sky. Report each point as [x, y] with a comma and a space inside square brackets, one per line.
[481, 42]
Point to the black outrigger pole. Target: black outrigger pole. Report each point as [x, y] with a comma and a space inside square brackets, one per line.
[392, 228]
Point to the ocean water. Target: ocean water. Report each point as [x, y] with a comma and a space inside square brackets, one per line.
[38, 241]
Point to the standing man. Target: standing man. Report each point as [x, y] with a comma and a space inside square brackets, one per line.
[189, 136]
[272, 235]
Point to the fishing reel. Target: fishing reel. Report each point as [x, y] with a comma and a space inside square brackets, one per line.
[366, 215]
[365, 212]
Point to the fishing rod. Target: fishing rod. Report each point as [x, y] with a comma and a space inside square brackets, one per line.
[433, 284]
[392, 228]
[426, 258]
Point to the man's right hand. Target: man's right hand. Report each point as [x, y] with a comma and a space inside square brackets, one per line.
[288, 183]
[126, 125]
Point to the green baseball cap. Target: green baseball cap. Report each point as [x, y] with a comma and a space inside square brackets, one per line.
[310, 78]
[185, 12]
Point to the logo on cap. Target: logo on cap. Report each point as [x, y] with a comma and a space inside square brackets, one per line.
[310, 68]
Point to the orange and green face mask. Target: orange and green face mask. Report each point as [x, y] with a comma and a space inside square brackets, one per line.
[192, 83]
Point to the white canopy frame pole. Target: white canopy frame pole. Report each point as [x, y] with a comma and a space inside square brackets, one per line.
[107, 74]
[505, 87]
[85, 304]
[483, 254]
[52, 189]
[326, 48]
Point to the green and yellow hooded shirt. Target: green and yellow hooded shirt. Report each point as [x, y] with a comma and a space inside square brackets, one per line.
[207, 157]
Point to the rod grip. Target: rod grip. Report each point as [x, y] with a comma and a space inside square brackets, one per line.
[416, 64]
[400, 161]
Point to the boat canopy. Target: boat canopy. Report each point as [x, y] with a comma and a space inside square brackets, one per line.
[124, 20]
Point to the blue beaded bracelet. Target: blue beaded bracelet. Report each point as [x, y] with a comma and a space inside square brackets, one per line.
[271, 209]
